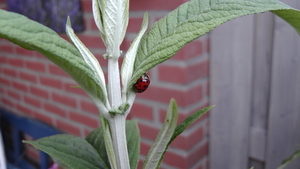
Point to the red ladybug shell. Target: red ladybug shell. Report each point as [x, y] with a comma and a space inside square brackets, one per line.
[142, 83]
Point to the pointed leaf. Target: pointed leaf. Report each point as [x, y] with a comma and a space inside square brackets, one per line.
[185, 123]
[192, 20]
[98, 19]
[108, 143]
[128, 62]
[74, 152]
[287, 161]
[160, 144]
[96, 139]
[188, 121]
[88, 57]
[32, 35]
[115, 20]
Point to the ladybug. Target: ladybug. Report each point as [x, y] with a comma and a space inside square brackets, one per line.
[142, 83]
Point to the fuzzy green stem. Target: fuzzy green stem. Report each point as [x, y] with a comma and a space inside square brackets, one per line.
[118, 133]
[117, 122]
[114, 83]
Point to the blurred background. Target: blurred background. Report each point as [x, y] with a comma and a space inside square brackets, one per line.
[247, 67]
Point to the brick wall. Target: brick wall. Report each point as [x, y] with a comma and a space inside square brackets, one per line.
[33, 86]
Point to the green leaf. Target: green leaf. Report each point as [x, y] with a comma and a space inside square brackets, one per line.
[185, 123]
[34, 36]
[128, 62]
[98, 19]
[74, 152]
[287, 161]
[188, 121]
[108, 143]
[115, 20]
[157, 150]
[88, 57]
[96, 139]
[192, 20]
[133, 142]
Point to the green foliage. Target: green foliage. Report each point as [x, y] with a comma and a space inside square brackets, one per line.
[72, 151]
[90, 153]
[156, 152]
[290, 159]
[168, 133]
[192, 20]
[96, 139]
[186, 23]
[133, 142]
[35, 36]
[188, 121]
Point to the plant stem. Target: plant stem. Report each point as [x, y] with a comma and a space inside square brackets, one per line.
[114, 86]
[117, 122]
[118, 133]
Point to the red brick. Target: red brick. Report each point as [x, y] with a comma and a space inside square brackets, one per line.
[70, 128]
[141, 111]
[51, 82]
[8, 102]
[137, 5]
[32, 101]
[22, 51]
[134, 24]
[144, 148]
[164, 94]
[89, 23]
[86, 5]
[148, 131]
[83, 119]
[9, 72]
[177, 160]
[55, 109]
[103, 62]
[28, 77]
[64, 99]
[7, 48]
[140, 164]
[20, 86]
[39, 92]
[14, 94]
[24, 110]
[43, 117]
[184, 75]
[16, 62]
[3, 60]
[36, 66]
[197, 154]
[89, 107]
[91, 41]
[40, 56]
[126, 44]
[53, 69]
[4, 81]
